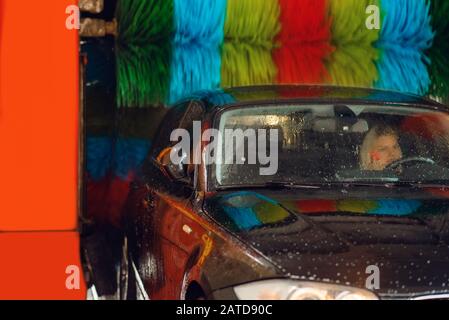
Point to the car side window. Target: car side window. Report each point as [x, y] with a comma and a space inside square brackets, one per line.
[180, 116]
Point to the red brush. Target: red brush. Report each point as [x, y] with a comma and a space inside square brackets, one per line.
[302, 63]
[305, 42]
[304, 21]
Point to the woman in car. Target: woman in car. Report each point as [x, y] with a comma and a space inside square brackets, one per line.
[380, 148]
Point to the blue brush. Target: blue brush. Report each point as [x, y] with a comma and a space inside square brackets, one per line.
[99, 153]
[194, 67]
[199, 33]
[199, 21]
[406, 23]
[129, 156]
[403, 69]
[405, 35]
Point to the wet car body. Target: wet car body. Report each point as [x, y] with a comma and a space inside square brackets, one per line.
[338, 247]
[186, 243]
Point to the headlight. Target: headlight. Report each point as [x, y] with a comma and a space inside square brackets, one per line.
[299, 290]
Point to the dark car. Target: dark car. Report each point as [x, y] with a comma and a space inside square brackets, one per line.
[294, 192]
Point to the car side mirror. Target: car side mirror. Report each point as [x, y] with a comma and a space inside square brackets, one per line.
[176, 170]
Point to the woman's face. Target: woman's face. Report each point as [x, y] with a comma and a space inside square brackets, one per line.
[385, 151]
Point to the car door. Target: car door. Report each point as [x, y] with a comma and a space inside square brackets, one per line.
[157, 209]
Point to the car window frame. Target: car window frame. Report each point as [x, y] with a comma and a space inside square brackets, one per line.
[211, 183]
[178, 124]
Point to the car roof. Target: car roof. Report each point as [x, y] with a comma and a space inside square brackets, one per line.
[320, 94]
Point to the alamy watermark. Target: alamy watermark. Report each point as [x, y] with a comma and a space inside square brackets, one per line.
[233, 146]
[73, 279]
[373, 280]
[372, 22]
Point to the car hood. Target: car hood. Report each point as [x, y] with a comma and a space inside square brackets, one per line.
[338, 236]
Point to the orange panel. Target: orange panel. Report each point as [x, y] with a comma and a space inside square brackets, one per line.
[34, 265]
[38, 116]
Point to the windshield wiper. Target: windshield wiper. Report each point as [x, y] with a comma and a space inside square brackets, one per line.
[336, 184]
[425, 184]
[272, 185]
[357, 183]
[292, 185]
[390, 184]
[325, 184]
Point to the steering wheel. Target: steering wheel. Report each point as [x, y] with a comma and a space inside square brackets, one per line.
[397, 163]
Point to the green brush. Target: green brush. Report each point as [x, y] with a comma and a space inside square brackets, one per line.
[144, 28]
[439, 53]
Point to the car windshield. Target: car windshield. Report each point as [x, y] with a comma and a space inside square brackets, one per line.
[320, 144]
